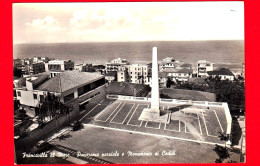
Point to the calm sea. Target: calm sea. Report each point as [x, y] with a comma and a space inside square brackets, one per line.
[222, 52]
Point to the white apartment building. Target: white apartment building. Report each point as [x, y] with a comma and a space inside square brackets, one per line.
[135, 73]
[138, 73]
[122, 74]
[113, 65]
[203, 67]
[167, 62]
[59, 65]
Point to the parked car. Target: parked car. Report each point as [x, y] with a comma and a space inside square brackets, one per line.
[41, 146]
[76, 125]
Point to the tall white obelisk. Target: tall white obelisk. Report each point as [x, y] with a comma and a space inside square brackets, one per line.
[154, 113]
[155, 84]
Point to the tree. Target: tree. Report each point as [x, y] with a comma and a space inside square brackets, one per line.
[222, 153]
[17, 72]
[223, 137]
[169, 83]
[232, 92]
[53, 108]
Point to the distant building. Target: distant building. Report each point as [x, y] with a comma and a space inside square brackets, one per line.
[203, 67]
[128, 89]
[243, 70]
[177, 75]
[33, 68]
[223, 73]
[17, 62]
[80, 67]
[55, 73]
[69, 86]
[163, 77]
[122, 74]
[41, 59]
[138, 73]
[169, 62]
[56, 65]
[99, 68]
[135, 73]
[115, 63]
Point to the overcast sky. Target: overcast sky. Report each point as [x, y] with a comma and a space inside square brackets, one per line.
[146, 21]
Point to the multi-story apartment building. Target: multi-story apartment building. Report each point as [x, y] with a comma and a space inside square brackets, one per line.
[169, 62]
[62, 65]
[122, 74]
[176, 75]
[203, 67]
[33, 68]
[115, 63]
[135, 73]
[138, 73]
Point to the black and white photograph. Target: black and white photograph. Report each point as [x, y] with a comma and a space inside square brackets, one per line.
[129, 82]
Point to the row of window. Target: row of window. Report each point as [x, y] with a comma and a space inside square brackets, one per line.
[91, 86]
[35, 96]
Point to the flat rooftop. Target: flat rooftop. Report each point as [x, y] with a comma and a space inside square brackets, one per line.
[189, 122]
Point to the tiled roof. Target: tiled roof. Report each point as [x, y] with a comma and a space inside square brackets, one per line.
[68, 80]
[162, 74]
[222, 71]
[170, 70]
[187, 71]
[39, 80]
[186, 65]
[174, 70]
[125, 88]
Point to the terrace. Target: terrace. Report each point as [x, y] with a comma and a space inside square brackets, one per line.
[190, 121]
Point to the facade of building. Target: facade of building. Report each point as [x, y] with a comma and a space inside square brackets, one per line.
[223, 73]
[33, 68]
[177, 75]
[135, 73]
[115, 63]
[68, 85]
[122, 74]
[26, 90]
[167, 62]
[80, 67]
[138, 74]
[40, 59]
[203, 67]
[56, 65]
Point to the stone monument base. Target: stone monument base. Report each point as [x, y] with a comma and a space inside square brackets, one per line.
[153, 115]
